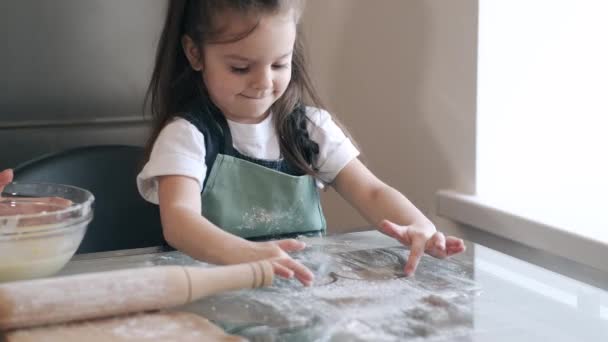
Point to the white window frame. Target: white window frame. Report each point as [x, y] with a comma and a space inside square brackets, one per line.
[496, 218]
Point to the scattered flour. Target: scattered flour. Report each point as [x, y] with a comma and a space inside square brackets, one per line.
[273, 221]
[357, 296]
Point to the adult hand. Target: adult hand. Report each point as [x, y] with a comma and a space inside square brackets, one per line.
[284, 265]
[27, 205]
[422, 238]
[6, 177]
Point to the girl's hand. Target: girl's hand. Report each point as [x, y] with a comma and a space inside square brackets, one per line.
[284, 265]
[422, 238]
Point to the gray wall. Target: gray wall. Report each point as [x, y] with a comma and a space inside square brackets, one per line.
[74, 73]
[76, 59]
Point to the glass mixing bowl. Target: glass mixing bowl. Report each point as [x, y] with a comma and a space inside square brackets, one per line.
[41, 227]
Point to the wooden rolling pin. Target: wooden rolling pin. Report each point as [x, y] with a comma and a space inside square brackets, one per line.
[62, 299]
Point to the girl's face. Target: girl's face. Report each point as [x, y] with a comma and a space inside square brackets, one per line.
[244, 78]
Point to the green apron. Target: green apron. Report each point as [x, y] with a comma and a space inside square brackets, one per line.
[248, 197]
[251, 200]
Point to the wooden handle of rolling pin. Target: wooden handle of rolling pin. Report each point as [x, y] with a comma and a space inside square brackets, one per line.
[92, 295]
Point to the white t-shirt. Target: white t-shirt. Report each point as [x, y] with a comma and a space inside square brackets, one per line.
[180, 149]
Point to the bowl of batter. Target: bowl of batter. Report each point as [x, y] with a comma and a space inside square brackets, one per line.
[41, 227]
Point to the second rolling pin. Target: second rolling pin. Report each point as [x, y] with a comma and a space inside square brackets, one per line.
[63, 299]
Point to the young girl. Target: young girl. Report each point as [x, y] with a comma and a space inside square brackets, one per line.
[237, 155]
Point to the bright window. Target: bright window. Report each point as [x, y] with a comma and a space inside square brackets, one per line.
[542, 142]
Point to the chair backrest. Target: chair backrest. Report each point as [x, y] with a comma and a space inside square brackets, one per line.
[122, 219]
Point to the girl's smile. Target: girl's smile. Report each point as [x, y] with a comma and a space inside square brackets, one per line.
[256, 97]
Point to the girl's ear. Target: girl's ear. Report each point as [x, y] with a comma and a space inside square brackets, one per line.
[192, 52]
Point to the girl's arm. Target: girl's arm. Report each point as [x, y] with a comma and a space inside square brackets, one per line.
[187, 230]
[393, 214]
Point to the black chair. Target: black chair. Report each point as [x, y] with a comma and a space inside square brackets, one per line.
[122, 219]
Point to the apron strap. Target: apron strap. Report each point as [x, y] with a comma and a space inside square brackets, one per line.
[226, 147]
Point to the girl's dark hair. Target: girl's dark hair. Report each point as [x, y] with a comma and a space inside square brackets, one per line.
[175, 85]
